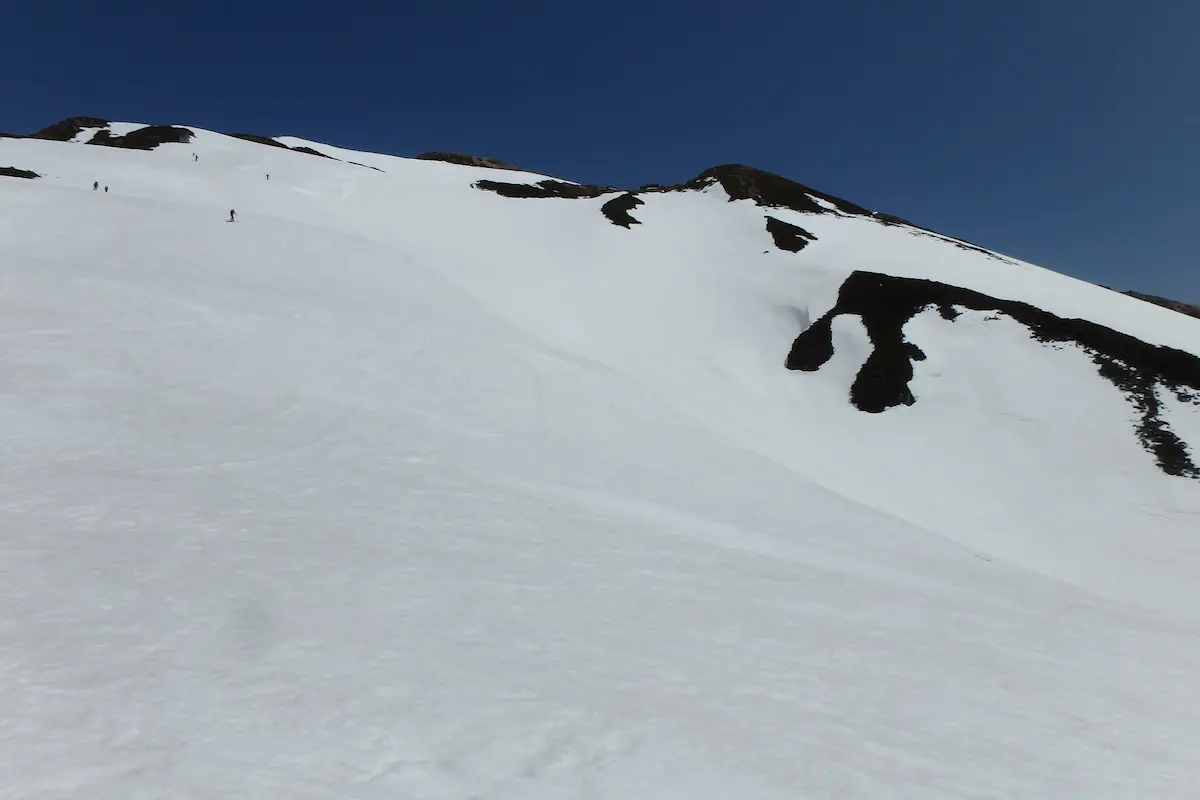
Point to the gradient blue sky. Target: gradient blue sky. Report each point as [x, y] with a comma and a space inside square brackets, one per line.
[1064, 132]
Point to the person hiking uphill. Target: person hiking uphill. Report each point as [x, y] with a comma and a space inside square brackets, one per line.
[95, 185]
[232, 214]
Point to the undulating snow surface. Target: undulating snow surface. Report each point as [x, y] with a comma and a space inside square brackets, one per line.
[396, 488]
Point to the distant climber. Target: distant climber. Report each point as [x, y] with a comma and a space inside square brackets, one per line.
[268, 176]
[195, 157]
[106, 190]
[95, 185]
[232, 215]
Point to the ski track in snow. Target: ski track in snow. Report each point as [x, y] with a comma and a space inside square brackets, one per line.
[400, 488]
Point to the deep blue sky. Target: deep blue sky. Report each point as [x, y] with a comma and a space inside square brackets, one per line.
[1064, 132]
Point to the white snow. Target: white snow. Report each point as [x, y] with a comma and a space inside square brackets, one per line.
[823, 203]
[398, 488]
[85, 135]
[124, 128]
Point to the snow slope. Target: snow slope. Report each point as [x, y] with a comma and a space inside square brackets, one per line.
[402, 488]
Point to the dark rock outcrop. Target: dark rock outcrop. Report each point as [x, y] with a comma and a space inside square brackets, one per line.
[13, 172]
[885, 303]
[312, 152]
[772, 191]
[543, 189]
[267, 140]
[67, 129]
[740, 183]
[787, 236]
[468, 160]
[617, 210]
[766, 189]
[146, 138]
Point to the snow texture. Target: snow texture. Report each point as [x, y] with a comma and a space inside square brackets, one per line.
[399, 488]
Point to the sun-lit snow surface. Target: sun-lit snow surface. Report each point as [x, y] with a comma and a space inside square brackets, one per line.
[397, 488]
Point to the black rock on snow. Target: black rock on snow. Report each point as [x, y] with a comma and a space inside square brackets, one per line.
[67, 129]
[787, 236]
[885, 303]
[740, 182]
[468, 161]
[146, 138]
[13, 172]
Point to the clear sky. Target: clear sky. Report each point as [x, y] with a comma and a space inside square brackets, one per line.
[1064, 132]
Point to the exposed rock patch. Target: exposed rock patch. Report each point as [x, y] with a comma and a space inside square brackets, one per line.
[267, 140]
[766, 189]
[543, 189]
[787, 236]
[740, 183]
[67, 129]
[146, 138]
[617, 210]
[149, 137]
[312, 152]
[468, 160]
[13, 172]
[772, 191]
[885, 304]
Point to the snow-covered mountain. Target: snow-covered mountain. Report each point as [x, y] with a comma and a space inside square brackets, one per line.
[446, 480]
